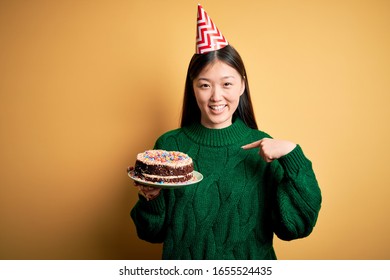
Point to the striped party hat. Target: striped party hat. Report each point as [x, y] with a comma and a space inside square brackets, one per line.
[208, 37]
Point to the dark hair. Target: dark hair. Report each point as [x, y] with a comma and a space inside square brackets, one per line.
[191, 112]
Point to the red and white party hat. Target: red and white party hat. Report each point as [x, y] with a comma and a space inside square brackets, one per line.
[208, 37]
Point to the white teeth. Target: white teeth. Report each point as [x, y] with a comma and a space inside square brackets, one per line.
[217, 108]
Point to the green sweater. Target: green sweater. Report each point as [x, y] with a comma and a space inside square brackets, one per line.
[242, 201]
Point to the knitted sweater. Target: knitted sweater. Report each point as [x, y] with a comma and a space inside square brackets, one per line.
[242, 201]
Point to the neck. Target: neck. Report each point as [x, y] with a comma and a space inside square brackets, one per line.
[217, 137]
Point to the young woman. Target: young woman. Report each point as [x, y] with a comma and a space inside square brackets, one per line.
[253, 187]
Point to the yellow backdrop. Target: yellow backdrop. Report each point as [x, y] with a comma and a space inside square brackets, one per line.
[86, 85]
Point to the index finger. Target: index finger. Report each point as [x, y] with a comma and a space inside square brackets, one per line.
[252, 145]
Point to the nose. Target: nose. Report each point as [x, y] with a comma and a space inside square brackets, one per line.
[216, 94]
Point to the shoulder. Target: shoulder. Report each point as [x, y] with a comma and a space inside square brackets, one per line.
[170, 133]
[256, 134]
[167, 138]
[250, 134]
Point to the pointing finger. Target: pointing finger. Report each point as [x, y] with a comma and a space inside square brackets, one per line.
[252, 145]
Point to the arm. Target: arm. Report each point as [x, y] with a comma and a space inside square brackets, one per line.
[149, 218]
[296, 194]
[149, 212]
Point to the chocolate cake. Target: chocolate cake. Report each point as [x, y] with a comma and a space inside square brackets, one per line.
[164, 166]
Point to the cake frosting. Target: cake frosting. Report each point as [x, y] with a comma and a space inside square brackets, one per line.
[164, 166]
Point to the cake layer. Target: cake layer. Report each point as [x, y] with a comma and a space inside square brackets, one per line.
[167, 179]
[162, 170]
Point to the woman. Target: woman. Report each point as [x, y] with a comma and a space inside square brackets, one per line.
[244, 198]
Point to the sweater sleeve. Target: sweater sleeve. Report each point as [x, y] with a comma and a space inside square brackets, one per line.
[298, 196]
[149, 218]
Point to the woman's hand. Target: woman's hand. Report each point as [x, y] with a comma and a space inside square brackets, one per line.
[271, 149]
[148, 192]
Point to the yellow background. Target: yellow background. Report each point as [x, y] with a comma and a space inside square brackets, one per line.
[86, 85]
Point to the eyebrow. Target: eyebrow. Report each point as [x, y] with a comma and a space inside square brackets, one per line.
[223, 78]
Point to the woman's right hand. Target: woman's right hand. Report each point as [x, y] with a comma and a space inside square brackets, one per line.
[148, 192]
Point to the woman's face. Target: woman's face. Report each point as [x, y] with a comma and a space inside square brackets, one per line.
[217, 91]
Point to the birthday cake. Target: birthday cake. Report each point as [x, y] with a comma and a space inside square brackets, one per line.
[164, 166]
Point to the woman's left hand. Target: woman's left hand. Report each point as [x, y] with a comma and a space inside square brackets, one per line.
[271, 149]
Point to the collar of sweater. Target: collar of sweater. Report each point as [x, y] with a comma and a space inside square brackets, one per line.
[217, 137]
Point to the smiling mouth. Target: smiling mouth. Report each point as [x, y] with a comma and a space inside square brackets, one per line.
[217, 108]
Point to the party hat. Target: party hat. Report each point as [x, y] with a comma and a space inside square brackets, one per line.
[208, 37]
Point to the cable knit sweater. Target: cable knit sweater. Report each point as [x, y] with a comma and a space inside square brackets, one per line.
[242, 201]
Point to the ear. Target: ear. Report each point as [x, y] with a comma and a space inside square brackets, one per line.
[243, 85]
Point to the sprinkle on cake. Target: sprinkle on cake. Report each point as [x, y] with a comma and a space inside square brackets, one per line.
[164, 166]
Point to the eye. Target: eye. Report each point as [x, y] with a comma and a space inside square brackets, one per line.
[227, 84]
[204, 85]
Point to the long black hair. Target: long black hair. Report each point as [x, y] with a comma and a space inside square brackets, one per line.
[190, 110]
